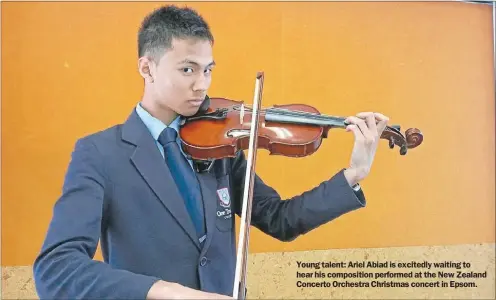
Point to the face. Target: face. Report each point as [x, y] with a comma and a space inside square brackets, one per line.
[179, 82]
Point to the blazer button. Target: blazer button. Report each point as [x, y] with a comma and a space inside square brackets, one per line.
[203, 261]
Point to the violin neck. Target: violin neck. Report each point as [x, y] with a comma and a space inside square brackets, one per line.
[299, 117]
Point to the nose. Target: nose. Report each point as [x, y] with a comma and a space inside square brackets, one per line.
[201, 83]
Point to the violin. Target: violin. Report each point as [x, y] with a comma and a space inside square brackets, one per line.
[223, 127]
[295, 130]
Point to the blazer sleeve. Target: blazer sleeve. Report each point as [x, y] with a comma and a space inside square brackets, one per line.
[65, 269]
[286, 219]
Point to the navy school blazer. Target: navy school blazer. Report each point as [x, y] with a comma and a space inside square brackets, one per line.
[119, 191]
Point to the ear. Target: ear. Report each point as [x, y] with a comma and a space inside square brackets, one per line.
[146, 68]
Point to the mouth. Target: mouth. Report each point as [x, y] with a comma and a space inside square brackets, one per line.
[196, 102]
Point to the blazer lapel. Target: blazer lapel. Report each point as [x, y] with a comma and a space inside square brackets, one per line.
[152, 167]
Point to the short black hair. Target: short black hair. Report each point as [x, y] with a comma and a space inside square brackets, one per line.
[167, 22]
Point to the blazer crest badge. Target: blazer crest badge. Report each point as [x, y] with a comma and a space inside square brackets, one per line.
[224, 199]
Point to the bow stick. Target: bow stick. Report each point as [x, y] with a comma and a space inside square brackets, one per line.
[239, 289]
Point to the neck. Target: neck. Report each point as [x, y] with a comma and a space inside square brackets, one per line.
[298, 117]
[164, 114]
[288, 116]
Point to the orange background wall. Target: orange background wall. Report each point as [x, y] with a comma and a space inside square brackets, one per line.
[69, 69]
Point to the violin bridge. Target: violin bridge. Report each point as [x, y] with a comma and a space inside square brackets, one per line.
[242, 113]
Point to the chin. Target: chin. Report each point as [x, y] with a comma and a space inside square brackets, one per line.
[189, 112]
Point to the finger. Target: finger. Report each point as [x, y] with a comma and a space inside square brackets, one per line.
[381, 117]
[369, 138]
[371, 121]
[356, 131]
[383, 120]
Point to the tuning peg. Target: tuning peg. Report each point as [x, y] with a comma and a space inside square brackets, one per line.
[391, 143]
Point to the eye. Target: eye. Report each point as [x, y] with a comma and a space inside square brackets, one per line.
[185, 70]
[208, 71]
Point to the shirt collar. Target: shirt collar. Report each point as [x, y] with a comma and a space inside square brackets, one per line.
[154, 125]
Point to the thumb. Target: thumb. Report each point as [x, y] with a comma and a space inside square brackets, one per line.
[356, 131]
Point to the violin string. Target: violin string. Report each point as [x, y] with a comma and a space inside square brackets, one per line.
[288, 112]
[309, 115]
[302, 113]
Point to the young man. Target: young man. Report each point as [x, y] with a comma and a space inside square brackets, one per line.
[166, 231]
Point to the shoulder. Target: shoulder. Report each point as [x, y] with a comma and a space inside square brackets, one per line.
[103, 135]
[100, 141]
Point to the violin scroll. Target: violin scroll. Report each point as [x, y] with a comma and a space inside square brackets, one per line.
[413, 138]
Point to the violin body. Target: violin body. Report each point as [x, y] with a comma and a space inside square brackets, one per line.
[222, 128]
